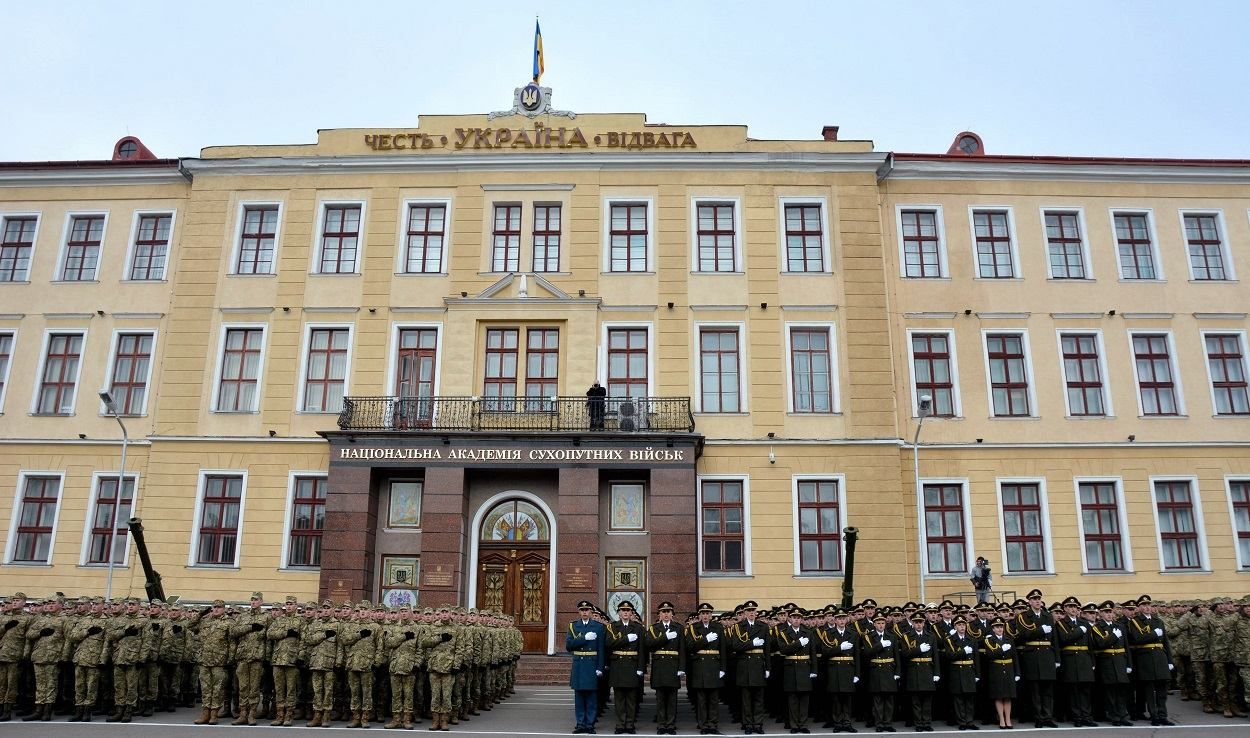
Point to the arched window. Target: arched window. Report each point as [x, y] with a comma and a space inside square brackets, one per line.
[515, 520]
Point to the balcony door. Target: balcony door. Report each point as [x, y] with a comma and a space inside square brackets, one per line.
[414, 377]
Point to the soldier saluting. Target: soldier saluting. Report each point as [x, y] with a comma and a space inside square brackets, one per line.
[667, 650]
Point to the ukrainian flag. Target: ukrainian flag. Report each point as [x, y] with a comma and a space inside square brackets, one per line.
[538, 52]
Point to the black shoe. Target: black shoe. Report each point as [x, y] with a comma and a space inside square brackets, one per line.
[1165, 721]
[1050, 724]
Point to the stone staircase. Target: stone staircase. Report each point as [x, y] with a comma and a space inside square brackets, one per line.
[543, 670]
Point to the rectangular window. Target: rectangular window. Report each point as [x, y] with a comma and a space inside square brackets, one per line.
[944, 528]
[240, 370]
[340, 237]
[36, 517]
[1009, 378]
[501, 369]
[18, 241]
[131, 366]
[82, 249]
[811, 366]
[627, 237]
[922, 252]
[931, 359]
[424, 237]
[1227, 363]
[805, 247]
[1082, 374]
[547, 238]
[714, 236]
[1100, 527]
[1132, 236]
[724, 538]
[108, 523]
[1063, 243]
[505, 255]
[58, 384]
[1178, 530]
[219, 520]
[627, 362]
[151, 247]
[1022, 527]
[1154, 375]
[542, 367]
[415, 371]
[257, 237]
[308, 520]
[820, 529]
[6, 357]
[1206, 249]
[718, 369]
[1239, 491]
[993, 237]
[326, 372]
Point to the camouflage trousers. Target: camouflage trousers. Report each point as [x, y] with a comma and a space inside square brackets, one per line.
[1244, 671]
[213, 686]
[285, 686]
[8, 682]
[360, 683]
[460, 691]
[440, 692]
[477, 687]
[150, 681]
[1223, 676]
[403, 687]
[46, 676]
[323, 689]
[126, 685]
[86, 685]
[248, 674]
[171, 681]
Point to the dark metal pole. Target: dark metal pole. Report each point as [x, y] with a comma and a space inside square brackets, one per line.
[850, 535]
[153, 580]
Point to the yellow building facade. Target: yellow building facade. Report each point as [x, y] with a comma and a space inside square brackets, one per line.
[358, 368]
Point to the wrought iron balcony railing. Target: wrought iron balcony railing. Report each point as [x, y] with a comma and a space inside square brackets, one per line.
[618, 414]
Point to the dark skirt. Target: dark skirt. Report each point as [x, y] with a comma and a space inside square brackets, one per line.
[1000, 680]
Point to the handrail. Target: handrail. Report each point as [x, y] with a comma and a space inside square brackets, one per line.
[579, 414]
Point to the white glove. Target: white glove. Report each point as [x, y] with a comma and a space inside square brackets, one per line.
[968, 650]
[711, 637]
[1159, 632]
[952, 632]
[803, 641]
[591, 636]
[757, 642]
[722, 675]
[897, 677]
[766, 674]
[631, 637]
[1057, 664]
[1046, 628]
[598, 673]
[1118, 633]
[925, 648]
[976, 679]
[812, 675]
[854, 680]
[1128, 670]
[886, 643]
[1006, 647]
[1171, 667]
[1084, 629]
[1017, 679]
[681, 673]
[937, 678]
[639, 673]
[846, 646]
[671, 635]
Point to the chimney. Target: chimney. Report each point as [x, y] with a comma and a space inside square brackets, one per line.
[829, 133]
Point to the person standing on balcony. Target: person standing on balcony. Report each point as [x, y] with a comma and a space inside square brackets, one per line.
[595, 400]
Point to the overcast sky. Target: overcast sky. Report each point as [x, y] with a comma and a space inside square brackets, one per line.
[1070, 78]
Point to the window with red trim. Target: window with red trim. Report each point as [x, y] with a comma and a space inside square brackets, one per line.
[922, 252]
[805, 237]
[326, 370]
[82, 250]
[1154, 375]
[18, 240]
[1239, 491]
[108, 523]
[340, 237]
[257, 237]
[811, 367]
[719, 370]
[131, 366]
[1009, 378]
[724, 537]
[931, 358]
[501, 369]
[1022, 528]
[1206, 248]
[1064, 246]
[1082, 374]
[1178, 530]
[36, 516]
[542, 368]
[714, 234]
[627, 362]
[506, 249]
[151, 247]
[240, 370]
[58, 385]
[1132, 235]
[820, 529]
[945, 538]
[6, 357]
[627, 237]
[547, 238]
[993, 237]
[1100, 527]
[308, 521]
[219, 520]
[1227, 362]
[423, 252]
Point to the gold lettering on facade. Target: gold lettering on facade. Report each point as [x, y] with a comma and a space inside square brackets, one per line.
[540, 136]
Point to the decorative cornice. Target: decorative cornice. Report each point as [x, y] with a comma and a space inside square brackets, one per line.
[12, 316]
[981, 169]
[494, 187]
[628, 308]
[92, 177]
[717, 308]
[810, 308]
[1147, 316]
[418, 309]
[326, 309]
[1002, 316]
[1076, 316]
[138, 316]
[929, 315]
[69, 316]
[235, 310]
[1220, 316]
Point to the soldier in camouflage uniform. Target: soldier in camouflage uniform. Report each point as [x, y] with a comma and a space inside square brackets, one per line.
[125, 633]
[213, 657]
[321, 645]
[442, 663]
[173, 649]
[286, 632]
[406, 641]
[1178, 633]
[358, 641]
[1223, 658]
[12, 646]
[464, 664]
[150, 671]
[46, 638]
[1241, 648]
[90, 643]
[248, 633]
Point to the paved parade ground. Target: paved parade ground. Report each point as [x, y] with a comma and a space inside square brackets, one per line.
[548, 711]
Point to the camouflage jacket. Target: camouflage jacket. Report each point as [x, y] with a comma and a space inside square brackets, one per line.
[46, 635]
[320, 644]
[358, 640]
[1222, 645]
[214, 641]
[443, 657]
[125, 632]
[90, 648]
[286, 632]
[174, 641]
[249, 641]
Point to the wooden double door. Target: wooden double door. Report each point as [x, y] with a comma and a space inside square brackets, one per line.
[513, 578]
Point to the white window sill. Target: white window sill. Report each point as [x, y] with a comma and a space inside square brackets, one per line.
[318, 412]
[251, 274]
[144, 281]
[124, 415]
[1089, 417]
[401, 529]
[1214, 281]
[1074, 280]
[725, 575]
[1022, 574]
[214, 567]
[1231, 416]
[29, 564]
[954, 576]
[1117, 573]
[814, 575]
[1014, 417]
[104, 567]
[334, 274]
[15, 281]
[420, 274]
[627, 274]
[921, 279]
[822, 273]
[299, 569]
[939, 417]
[1126, 280]
[629, 532]
[710, 414]
[998, 279]
[235, 412]
[1184, 572]
[50, 415]
[1181, 416]
[75, 281]
[797, 414]
[711, 273]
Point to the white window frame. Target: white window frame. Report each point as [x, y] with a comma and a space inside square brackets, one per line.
[835, 400]
[392, 354]
[1226, 254]
[1206, 359]
[605, 328]
[221, 360]
[966, 508]
[1154, 243]
[1044, 501]
[1126, 547]
[1108, 410]
[1079, 211]
[200, 488]
[911, 373]
[89, 523]
[401, 253]
[743, 362]
[288, 519]
[1030, 375]
[606, 250]
[795, 479]
[1195, 497]
[110, 366]
[1013, 241]
[5, 216]
[15, 514]
[236, 247]
[43, 362]
[1229, 479]
[305, 346]
[318, 243]
[939, 222]
[134, 235]
[746, 524]
[736, 202]
[8, 369]
[1181, 406]
[63, 254]
[826, 252]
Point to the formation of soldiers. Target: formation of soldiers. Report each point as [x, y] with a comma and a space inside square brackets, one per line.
[291, 662]
[1082, 663]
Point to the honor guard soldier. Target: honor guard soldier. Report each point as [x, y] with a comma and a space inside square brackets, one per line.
[921, 670]
[1000, 670]
[626, 663]
[1076, 663]
[667, 650]
[1038, 658]
[840, 648]
[752, 648]
[585, 640]
[962, 673]
[1112, 664]
[881, 652]
[797, 646]
[705, 647]
[1152, 659]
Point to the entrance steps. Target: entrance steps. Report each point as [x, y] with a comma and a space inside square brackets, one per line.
[543, 670]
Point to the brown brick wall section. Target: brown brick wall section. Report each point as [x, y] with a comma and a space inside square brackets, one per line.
[351, 510]
[443, 536]
[674, 527]
[577, 542]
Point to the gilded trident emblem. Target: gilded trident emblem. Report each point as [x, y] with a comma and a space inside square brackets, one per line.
[530, 97]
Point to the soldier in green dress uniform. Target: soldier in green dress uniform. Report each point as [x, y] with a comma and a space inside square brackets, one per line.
[626, 663]
[667, 653]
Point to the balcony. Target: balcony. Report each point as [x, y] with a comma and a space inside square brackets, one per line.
[527, 414]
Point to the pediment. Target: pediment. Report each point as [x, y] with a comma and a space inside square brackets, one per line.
[523, 286]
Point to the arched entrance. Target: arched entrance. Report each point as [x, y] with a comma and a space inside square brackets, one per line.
[514, 566]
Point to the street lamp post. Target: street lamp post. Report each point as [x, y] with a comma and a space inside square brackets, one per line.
[923, 410]
[111, 407]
